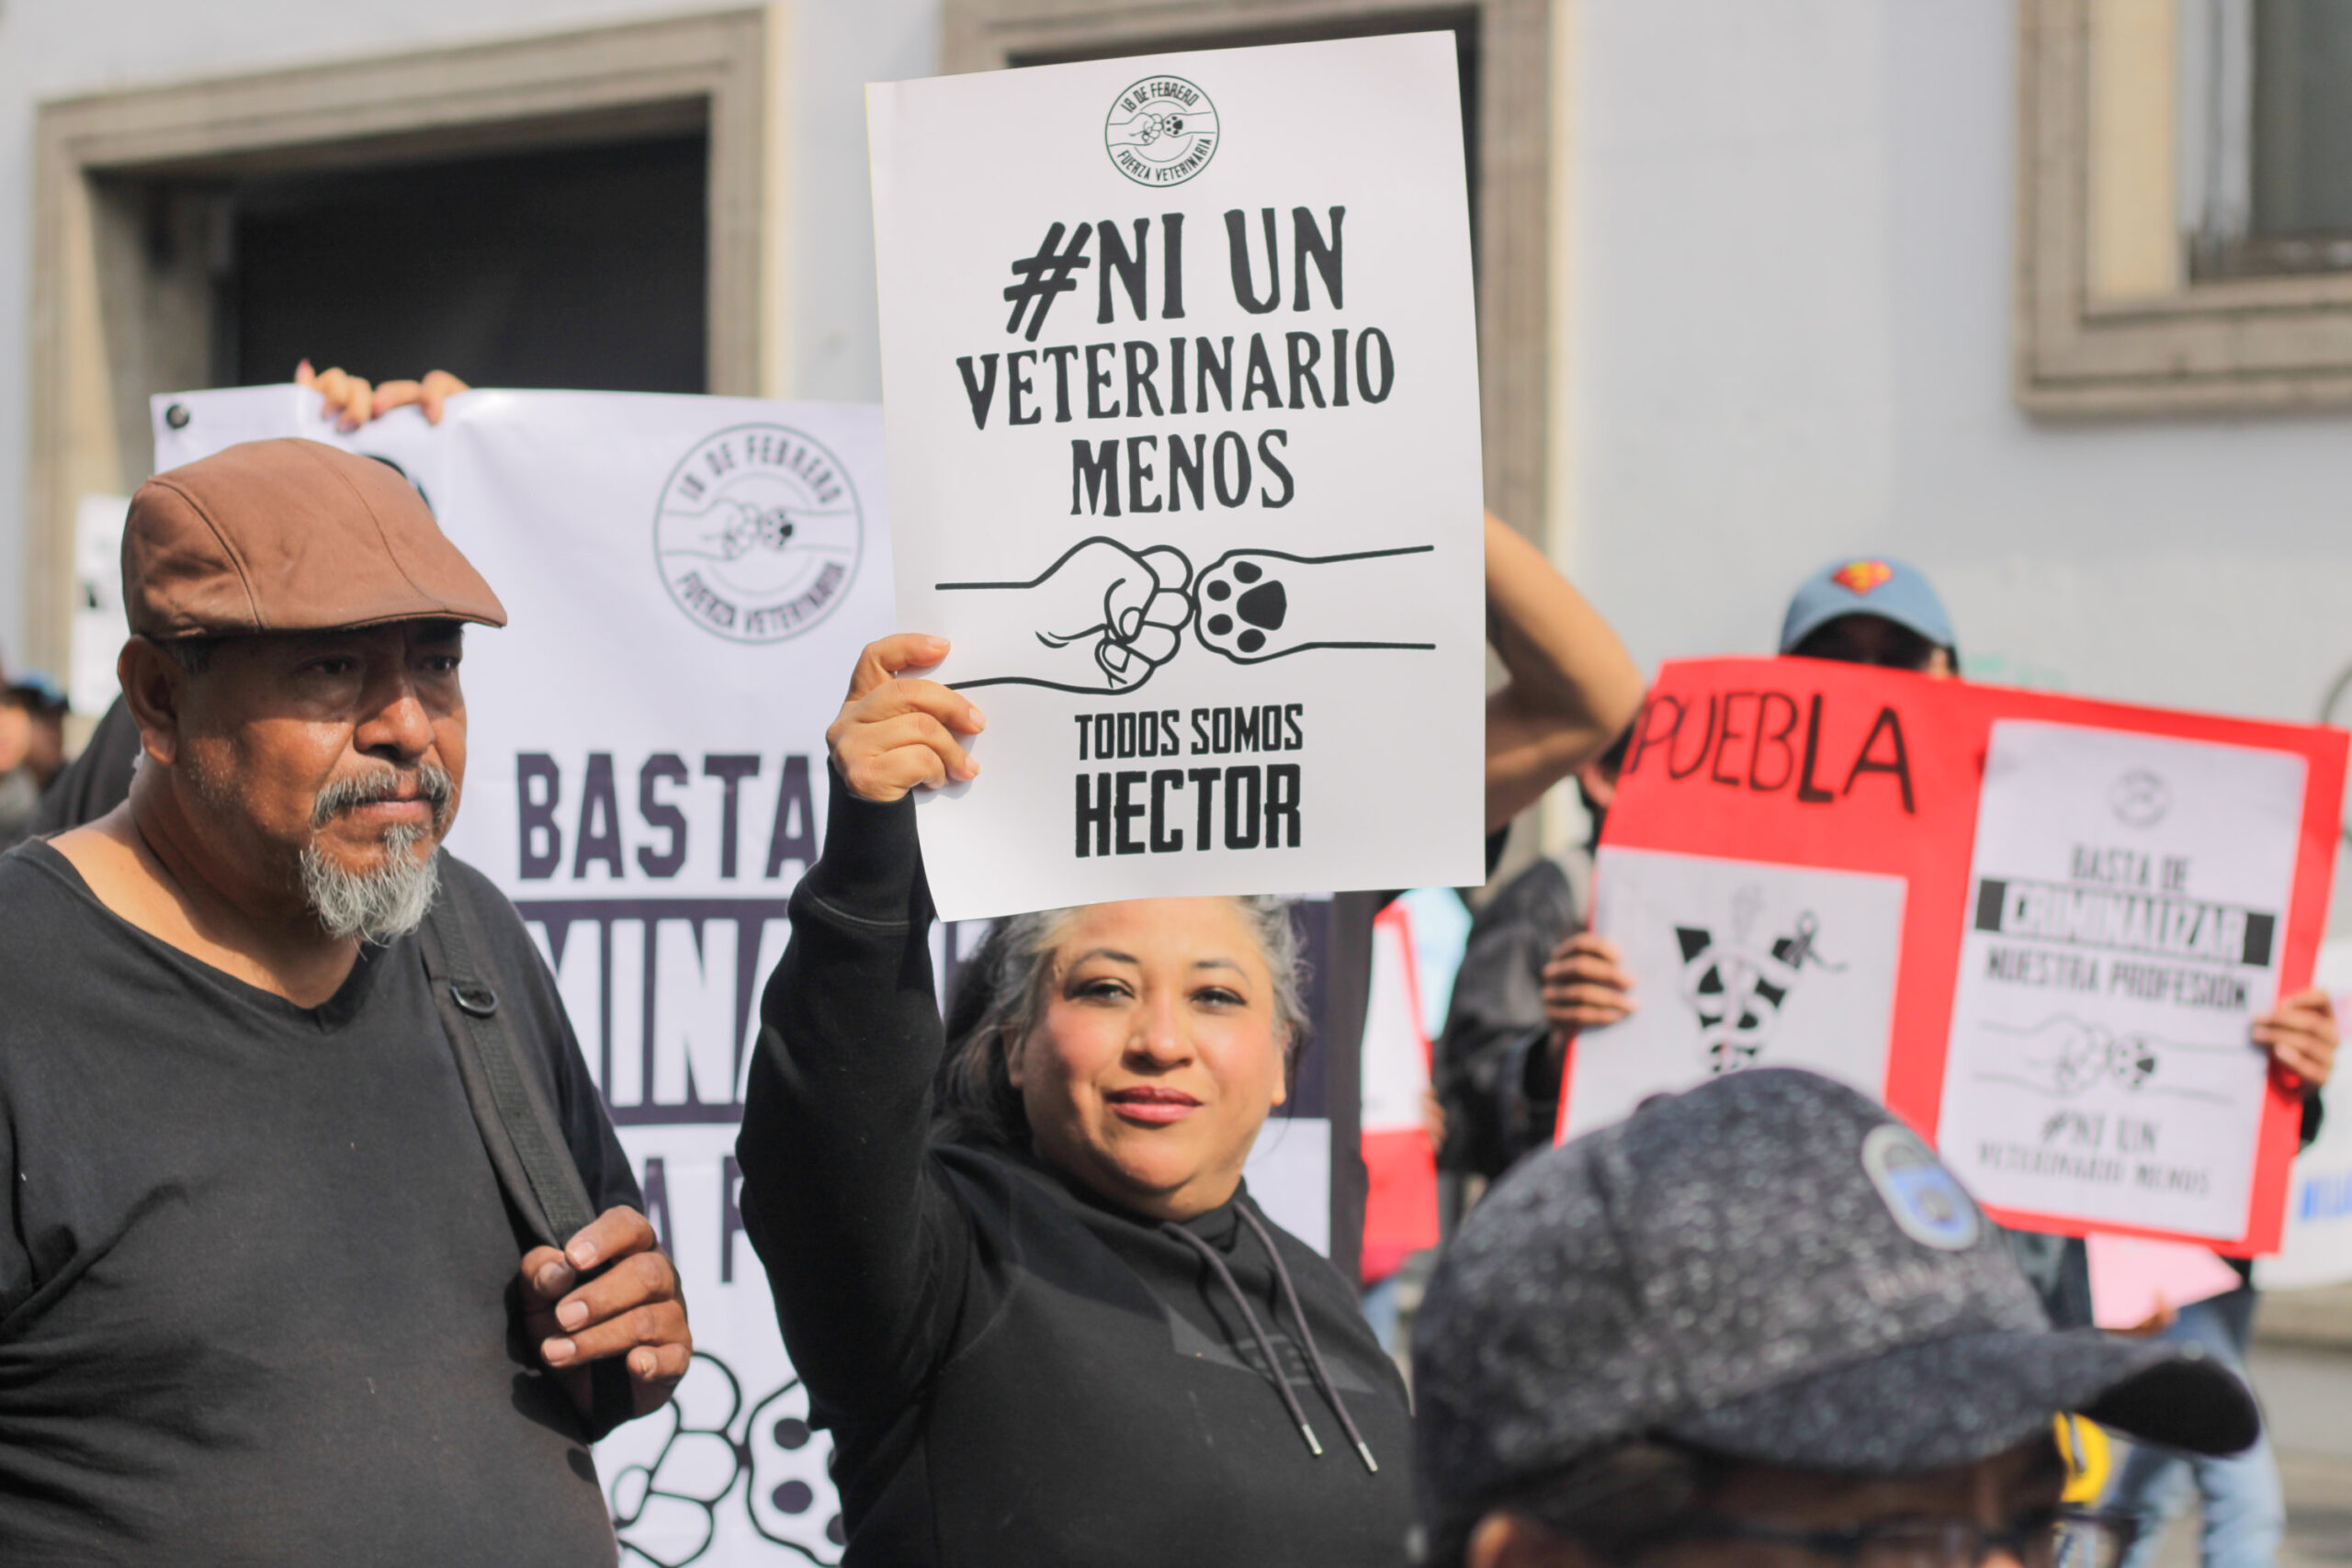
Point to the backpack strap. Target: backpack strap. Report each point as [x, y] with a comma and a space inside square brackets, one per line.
[511, 1108]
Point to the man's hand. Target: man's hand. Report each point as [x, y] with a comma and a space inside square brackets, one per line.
[2299, 1034]
[351, 401]
[896, 734]
[634, 1308]
[1585, 986]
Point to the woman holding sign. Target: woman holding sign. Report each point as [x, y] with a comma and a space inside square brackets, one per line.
[1016, 1267]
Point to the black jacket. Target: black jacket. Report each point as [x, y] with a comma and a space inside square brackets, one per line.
[1017, 1374]
[96, 782]
[1496, 1074]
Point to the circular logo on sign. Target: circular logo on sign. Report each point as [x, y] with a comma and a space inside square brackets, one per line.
[1161, 131]
[2139, 798]
[759, 533]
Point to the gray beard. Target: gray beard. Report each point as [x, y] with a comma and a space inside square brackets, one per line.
[375, 906]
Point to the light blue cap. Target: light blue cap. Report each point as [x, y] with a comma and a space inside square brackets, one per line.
[1867, 585]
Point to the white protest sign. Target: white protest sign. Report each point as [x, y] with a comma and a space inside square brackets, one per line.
[99, 625]
[1182, 402]
[2131, 893]
[1744, 965]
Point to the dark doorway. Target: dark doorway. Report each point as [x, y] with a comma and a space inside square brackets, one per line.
[582, 267]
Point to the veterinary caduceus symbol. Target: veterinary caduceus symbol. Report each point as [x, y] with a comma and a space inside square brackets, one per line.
[1736, 988]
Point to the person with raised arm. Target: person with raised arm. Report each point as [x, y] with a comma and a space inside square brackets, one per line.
[1013, 1256]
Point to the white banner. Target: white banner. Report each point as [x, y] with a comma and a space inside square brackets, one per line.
[1183, 397]
[688, 582]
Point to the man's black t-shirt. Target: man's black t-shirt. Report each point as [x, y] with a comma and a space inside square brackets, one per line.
[255, 1275]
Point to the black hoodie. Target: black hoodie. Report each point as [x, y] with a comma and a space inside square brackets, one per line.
[1016, 1372]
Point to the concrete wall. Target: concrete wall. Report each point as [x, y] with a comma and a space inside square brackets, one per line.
[60, 47]
[1792, 289]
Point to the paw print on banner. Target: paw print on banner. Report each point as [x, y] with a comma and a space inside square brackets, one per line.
[1263, 604]
[1252, 605]
[675, 1467]
[791, 1495]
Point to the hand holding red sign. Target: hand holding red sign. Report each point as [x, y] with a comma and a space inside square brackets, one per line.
[2299, 1034]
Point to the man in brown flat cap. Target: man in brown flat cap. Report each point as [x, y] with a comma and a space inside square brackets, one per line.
[269, 1289]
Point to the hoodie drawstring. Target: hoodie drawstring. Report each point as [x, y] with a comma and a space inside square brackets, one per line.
[1307, 1339]
[1266, 1346]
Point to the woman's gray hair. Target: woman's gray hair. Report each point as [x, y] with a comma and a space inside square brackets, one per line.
[1002, 992]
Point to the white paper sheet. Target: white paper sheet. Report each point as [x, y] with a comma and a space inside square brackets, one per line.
[1737, 965]
[2127, 896]
[1225, 619]
[99, 627]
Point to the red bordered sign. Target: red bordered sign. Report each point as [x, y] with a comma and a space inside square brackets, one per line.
[2035, 926]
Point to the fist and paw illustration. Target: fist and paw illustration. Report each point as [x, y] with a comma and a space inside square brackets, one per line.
[1104, 617]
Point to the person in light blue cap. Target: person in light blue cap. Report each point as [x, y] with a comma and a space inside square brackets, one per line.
[1872, 610]
[1532, 976]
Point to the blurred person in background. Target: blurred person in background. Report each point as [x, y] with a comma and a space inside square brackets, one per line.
[1570, 686]
[1498, 1060]
[32, 749]
[1533, 976]
[1758, 1323]
[19, 793]
[44, 703]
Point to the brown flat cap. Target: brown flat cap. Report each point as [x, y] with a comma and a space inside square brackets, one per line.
[289, 537]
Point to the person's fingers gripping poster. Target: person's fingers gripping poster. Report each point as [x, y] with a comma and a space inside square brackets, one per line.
[1182, 400]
